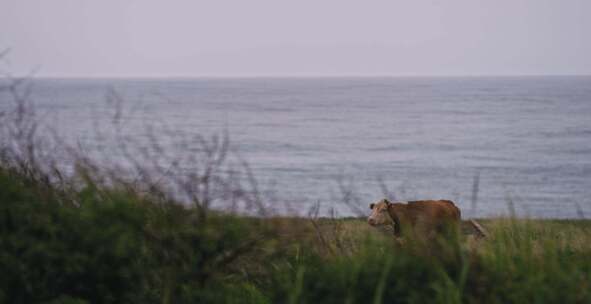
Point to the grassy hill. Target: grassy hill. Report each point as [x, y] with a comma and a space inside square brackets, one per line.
[112, 245]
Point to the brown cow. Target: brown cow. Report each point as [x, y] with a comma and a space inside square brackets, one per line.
[425, 218]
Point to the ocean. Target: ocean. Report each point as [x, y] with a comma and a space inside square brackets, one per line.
[526, 141]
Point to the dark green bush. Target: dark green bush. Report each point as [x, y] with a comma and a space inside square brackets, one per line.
[112, 247]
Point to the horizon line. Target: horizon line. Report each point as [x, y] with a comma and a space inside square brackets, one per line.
[292, 76]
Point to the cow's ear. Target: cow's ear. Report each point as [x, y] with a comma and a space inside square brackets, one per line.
[371, 205]
[387, 202]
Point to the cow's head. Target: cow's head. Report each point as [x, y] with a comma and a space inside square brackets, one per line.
[379, 213]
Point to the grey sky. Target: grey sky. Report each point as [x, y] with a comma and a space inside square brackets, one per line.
[304, 37]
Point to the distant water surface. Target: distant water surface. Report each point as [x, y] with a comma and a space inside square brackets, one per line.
[528, 138]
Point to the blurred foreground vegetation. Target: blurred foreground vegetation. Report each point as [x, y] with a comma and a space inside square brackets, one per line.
[111, 245]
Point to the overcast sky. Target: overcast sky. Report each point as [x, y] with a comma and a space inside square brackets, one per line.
[295, 38]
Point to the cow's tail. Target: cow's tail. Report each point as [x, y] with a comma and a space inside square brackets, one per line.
[480, 231]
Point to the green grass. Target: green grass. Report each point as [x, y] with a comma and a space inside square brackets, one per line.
[108, 245]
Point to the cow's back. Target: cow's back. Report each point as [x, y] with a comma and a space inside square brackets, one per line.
[433, 214]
